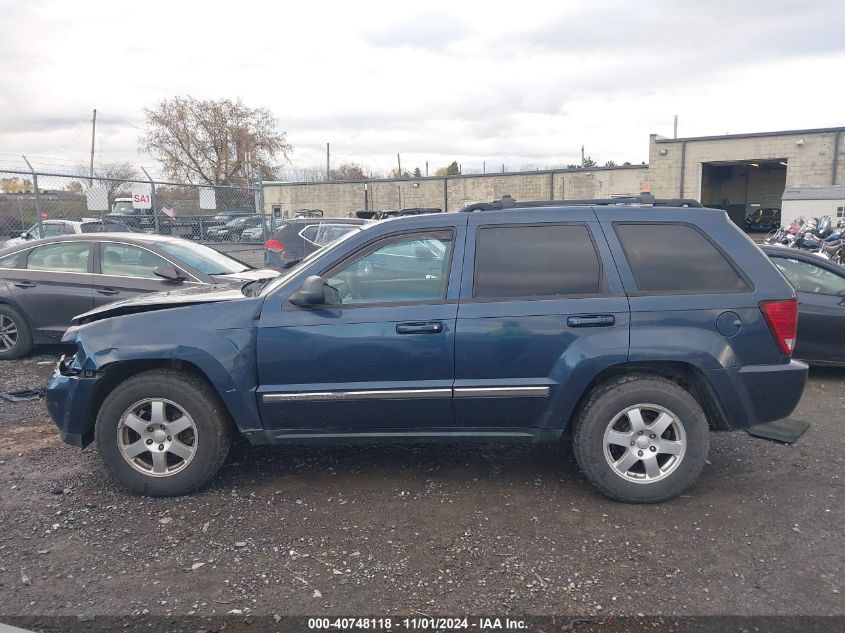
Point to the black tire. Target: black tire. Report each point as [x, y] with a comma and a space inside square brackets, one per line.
[197, 399]
[23, 335]
[607, 401]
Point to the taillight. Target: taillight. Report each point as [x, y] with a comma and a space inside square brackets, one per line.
[274, 246]
[782, 317]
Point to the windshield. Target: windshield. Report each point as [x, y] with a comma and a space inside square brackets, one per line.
[293, 270]
[204, 259]
[123, 207]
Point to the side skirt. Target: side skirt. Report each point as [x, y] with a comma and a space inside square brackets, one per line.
[404, 436]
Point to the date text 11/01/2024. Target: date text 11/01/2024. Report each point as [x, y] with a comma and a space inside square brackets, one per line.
[417, 623]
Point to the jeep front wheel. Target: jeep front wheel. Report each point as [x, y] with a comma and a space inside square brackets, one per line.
[162, 433]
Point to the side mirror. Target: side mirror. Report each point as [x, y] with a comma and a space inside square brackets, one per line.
[311, 293]
[25, 235]
[170, 273]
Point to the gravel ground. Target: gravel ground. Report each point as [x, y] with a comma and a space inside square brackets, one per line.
[422, 529]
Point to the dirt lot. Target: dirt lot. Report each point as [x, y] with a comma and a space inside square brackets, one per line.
[426, 529]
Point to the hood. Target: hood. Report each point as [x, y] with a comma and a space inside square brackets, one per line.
[207, 293]
[246, 275]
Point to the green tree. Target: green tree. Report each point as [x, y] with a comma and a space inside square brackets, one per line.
[588, 162]
[610, 163]
[417, 172]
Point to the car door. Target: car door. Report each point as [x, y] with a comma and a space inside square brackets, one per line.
[540, 301]
[54, 286]
[379, 357]
[125, 270]
[821, 308]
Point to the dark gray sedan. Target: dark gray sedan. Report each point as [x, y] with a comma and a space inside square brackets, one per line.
[820, 286]
[45, 283]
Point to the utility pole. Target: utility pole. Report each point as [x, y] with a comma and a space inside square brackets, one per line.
[675, 132]
[503, 168]
[93, 133]
[426, 168]
[582, 156]
[399, 162]
[484, 167]
[328, 157]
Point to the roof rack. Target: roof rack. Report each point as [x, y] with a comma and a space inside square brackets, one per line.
[508, 202]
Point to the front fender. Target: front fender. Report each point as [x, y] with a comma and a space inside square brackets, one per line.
[218, 339]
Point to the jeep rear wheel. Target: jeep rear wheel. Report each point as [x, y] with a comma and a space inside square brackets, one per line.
[162, 433]
[641, 439]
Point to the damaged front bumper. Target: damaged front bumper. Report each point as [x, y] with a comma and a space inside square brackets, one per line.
[68, 398]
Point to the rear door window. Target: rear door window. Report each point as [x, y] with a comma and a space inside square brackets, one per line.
[66, 257]
[538, 261]
[670, 258]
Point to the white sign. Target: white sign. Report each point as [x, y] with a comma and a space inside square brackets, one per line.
[207, 198]
[98, 199]
[142, 197]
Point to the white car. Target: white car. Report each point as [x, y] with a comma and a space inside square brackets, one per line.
[54, 228]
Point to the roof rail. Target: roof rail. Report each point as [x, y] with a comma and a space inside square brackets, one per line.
[507, 202]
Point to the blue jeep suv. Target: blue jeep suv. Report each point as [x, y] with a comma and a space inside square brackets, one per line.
[638, 325]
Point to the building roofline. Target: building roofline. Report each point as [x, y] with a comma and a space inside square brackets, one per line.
[564, 170]
[821, 130]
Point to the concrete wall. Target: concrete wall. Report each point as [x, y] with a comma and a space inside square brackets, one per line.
[450, 193]
[793, 209]
[808, 164]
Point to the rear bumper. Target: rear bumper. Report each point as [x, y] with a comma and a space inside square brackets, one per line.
[756, 394]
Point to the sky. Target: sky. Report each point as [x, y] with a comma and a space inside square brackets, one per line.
[514, 83]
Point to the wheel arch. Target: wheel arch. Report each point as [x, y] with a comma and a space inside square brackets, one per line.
[114, 373]
[685, 375]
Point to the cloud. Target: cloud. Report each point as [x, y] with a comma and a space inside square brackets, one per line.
[430, 30]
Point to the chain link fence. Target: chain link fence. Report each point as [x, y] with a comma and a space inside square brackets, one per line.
[39, 204]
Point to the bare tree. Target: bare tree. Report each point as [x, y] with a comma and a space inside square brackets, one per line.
[215, 142]
[348, 171]
[113, 177]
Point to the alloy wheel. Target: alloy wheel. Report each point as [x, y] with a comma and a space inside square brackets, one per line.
[8, 333]
[157, 437]
[644, 443]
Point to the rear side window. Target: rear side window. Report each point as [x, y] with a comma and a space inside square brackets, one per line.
[12, 261]
[677, 258]
[551, 260]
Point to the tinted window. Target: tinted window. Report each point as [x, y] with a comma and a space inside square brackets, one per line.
[536, 261]
[676, 258]
[129, 261]
[806, 277]
[67, 257]
[330, 232]
[406, 269]
[310, 232]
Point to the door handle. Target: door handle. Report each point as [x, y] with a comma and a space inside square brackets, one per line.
[433, 327]
[25, 284]
[591, 320]
[107, 291]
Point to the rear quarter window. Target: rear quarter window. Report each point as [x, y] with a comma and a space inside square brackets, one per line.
[12, 261]
[676, 258]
